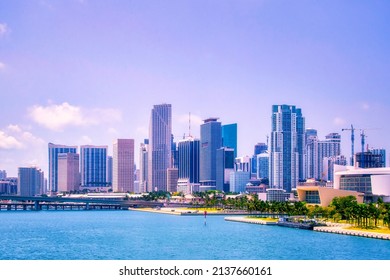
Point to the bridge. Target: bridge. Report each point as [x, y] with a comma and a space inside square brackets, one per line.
[10, 202]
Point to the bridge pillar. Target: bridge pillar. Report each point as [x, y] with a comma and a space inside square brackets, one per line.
[36, 206]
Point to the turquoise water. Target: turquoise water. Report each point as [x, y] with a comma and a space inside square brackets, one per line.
[123, 235]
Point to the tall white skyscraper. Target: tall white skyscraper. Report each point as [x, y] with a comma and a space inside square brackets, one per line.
[287, 147]
[123, 165]
[160, 147]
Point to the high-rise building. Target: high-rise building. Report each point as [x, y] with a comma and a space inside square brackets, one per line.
[188, 165]
[109, 170]
[93, 166]
[54, 150]
[369, 160]
[263, 166]
[287, 142]
[225, 165]
[229, 137]
[143, 166]
[68, 172]
[211, 140]
[160, 145]
[172, 178]
[31, 181]
[382, 153]
[123, 165]
[259, 148]
[317, 151]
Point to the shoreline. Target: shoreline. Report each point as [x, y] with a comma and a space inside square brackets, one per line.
[329, 228]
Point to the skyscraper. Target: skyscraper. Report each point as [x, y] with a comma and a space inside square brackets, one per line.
[229, 137]
[211, 140]
[225, 165]
[93, 166]
[287, 145]
[123, 165]
[30, 181]
[68, 172]
[159, 154]
[317, 150]
[54, 150]
[143, 166]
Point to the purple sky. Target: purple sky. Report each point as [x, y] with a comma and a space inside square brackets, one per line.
[88, 72]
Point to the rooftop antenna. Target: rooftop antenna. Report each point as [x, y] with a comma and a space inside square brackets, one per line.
[267, 140]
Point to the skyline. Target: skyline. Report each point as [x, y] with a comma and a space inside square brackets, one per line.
[94, 73]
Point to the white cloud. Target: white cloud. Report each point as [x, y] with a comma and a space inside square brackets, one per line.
[9, 142]
[13, 137]
[86, 140]
[3, 29]
[57, 117]
[339, 121]
[2, 66]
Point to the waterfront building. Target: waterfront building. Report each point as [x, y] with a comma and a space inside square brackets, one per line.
[229, 137]
[54, 150]
[143, 166]
[373, 182]
[31, 181]
[225, 165]
[159, 154]
[123, 165]
[211, 140]
[238, 181]
[317, 195]
[3, 174]
[68, 172]
[9, 185]
[172, 178]
[109, 170]
[287, 147]
[188, 165]
[93, 166]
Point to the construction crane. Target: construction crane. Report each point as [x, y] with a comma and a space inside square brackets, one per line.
[352, 129]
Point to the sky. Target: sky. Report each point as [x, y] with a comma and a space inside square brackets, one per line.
[80, 72]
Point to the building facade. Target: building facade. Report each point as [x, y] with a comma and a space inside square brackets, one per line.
[172, 179]
[31, 181]
[143, 166]
[225, 165]
[160, 145]
[287, 147]
[93, 166]
[229, 137]
[211, 141]
[68, 172]
[123, 165]
[238, 181]
[54, 150]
